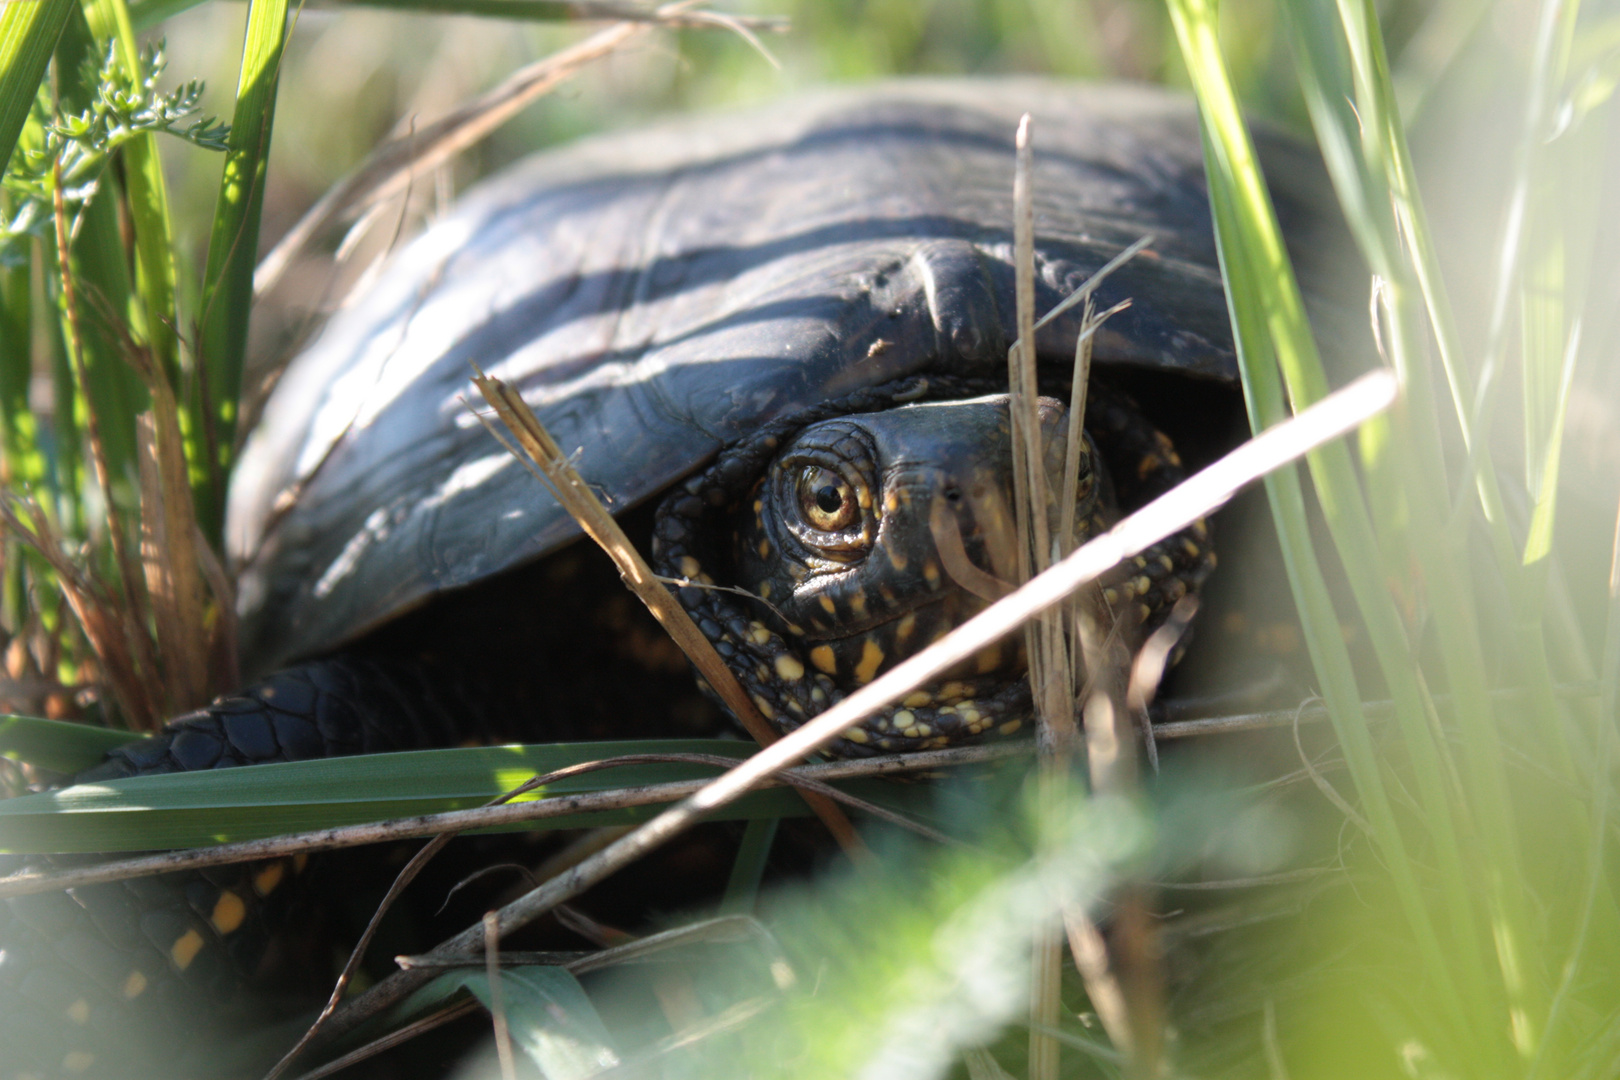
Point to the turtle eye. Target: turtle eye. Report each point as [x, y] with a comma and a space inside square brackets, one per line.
[825, 500]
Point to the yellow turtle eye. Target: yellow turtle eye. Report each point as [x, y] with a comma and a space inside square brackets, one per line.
[825, 500]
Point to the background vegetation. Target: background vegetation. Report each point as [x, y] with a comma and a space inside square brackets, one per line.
[1462, 919]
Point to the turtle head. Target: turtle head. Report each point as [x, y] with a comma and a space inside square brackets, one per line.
[856, 540]
[873, 535]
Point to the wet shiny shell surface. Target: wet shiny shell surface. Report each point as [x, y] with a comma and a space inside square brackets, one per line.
[657, 294]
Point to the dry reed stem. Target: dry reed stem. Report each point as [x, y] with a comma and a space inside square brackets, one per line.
[390, 167]
[1195, 497]
[581, 502]
[497, 1000]
[1043, 636]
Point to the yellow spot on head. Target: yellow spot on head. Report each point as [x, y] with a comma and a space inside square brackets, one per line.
[764, 590]
[871, 657]
[229, 911]
[988, 660]
[134, 985]
[764, 549]
[185, 949]
[825, 660]
[827, 605]
[917, 699]
[79, 1011]
[891, 503]
[931, 572]
[1010, 727]
[788, 668]
[897, 558]
[904, 628]
[855, 735]
[857, 605]
[77, 1061]
[690, 567]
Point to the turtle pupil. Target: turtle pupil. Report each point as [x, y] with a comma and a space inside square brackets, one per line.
[828, 500]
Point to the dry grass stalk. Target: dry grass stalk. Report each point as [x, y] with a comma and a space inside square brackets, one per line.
[497, 1002]
[390, 168]
[581, 502]
[1043, 636]
[1194, 498]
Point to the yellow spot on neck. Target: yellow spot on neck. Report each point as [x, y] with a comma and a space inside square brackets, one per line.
[690, 567]
[229, 911]
[185, 949]
[827, 605]
[788, 668]
[266, 880]
[871, 657]
[825, 659]
[134, 985]
[904, 628]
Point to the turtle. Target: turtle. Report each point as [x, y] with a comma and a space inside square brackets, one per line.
[775, 340]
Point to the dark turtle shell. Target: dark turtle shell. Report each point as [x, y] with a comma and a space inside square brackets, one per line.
[658, 294]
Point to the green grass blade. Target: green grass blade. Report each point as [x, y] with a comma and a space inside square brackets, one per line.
[550, 1019]
[217, 806]
[28, 33]
[56, 745]
[145, 15]
[748, 868]
[148, 209]
[232, 251]
[104, 291]
[1269, 322]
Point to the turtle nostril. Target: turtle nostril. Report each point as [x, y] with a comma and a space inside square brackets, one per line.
[953, 493]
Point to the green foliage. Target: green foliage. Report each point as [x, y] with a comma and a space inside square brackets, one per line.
[72, 149]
